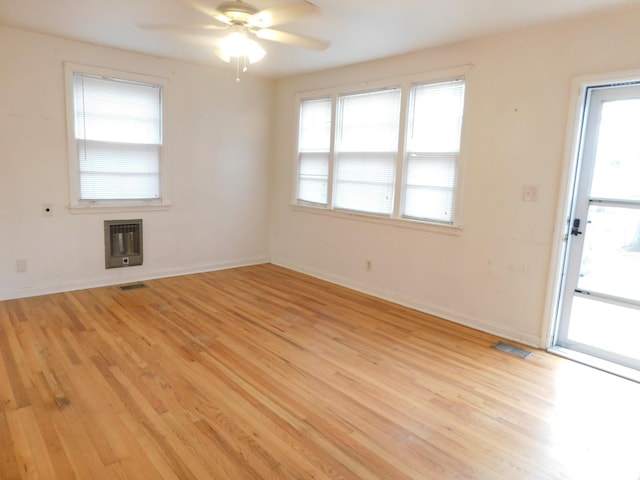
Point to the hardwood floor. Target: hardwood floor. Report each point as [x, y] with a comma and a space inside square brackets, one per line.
[263, 373]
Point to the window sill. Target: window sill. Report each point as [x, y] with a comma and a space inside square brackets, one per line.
[117, 208]
[372, 218]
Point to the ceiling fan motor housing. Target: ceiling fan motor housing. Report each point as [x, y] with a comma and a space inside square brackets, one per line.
[237, 12]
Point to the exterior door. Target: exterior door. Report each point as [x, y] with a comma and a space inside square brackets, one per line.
[599, 311]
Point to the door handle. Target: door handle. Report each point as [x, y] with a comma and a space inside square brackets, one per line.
[575, 230]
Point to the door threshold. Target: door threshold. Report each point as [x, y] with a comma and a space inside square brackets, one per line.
[598, 363]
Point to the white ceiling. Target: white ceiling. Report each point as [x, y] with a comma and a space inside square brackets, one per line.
[359, 30]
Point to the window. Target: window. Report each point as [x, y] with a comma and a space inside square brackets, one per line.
[433, 146]
[115, 139]
[363, 156]
[366, 147]
[313, 152]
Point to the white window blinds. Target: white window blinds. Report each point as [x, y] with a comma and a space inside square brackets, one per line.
[313, 150]
[118, 132]
[366, 151]
[433, 146]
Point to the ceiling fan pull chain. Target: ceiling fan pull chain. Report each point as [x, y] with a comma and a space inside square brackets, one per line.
[237, 69]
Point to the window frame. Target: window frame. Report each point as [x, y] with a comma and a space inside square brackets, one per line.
[76, 204]
[396, 218]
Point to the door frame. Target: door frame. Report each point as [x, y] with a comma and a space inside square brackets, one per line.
[568, 191]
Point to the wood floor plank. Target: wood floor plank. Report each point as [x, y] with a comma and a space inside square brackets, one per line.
[43, 403]
[264, 373]
[29, 465]
[9, 469]
[12, 359]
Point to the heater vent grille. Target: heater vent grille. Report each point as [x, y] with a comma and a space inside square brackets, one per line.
[512, 350]
[122, 243]
[133, 286]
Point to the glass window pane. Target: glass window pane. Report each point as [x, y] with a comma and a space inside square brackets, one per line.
[366, 168]
[364, 197]
[611, 253]
[316, 164]
[431, 170]
[313, 190]
[314, 143]
[118, 158]
[360, 177]
[617, 164]
[433, 145]
[315, 125]
[436, 120]
[313, 177]
[370, 122]
[118, 127]
[116, 111]
[430, 203]
[113, 186]
[366, 151]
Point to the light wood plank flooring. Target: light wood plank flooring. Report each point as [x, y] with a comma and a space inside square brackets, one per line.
[263, 373]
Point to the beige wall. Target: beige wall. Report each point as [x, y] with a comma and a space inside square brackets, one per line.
[217, 142]
[497, 274]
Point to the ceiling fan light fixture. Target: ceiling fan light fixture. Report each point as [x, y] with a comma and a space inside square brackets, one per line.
[245, 23]
[239, 45]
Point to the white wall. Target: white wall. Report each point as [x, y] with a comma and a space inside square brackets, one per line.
[496, 274]
[217, 140]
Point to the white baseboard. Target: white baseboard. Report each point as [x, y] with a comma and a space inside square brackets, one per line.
[131, 275]
[394, 297]
[456, 317]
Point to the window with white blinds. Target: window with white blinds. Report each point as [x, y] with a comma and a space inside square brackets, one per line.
[351, 158]
[366, 151]
[117, 132]
[433, 146]
[314, 144]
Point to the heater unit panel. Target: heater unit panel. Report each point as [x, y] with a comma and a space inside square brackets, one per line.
[122, 243]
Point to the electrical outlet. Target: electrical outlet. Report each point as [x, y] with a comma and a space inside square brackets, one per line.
[21, 265]
[530, 193]
[47, 210]
[368, 265]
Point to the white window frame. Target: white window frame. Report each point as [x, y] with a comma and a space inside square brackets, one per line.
[76, 205]
[396, 218]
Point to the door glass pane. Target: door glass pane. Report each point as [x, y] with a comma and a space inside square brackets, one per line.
[617, 163]
[605, 326]
[611, 255]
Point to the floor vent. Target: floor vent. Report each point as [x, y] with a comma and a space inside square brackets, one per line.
[512, 350]
[133, 286]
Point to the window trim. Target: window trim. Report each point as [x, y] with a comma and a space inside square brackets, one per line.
[405, 83]
[76, 205]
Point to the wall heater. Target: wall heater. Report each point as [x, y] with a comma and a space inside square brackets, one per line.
[122, 243]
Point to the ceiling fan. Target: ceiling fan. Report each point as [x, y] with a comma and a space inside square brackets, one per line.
[245, 22]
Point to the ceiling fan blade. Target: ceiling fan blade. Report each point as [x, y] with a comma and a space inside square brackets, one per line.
[187, 26]
[209, 11]
[291, 39]
[280, 15]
